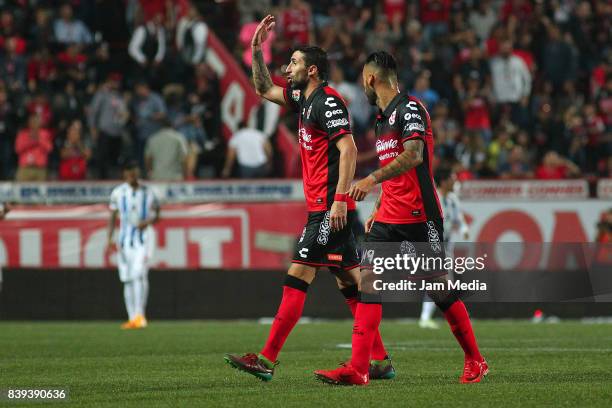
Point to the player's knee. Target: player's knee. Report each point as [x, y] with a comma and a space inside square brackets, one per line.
[302, 272]
[444, 301]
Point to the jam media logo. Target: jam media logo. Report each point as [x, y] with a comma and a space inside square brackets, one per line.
[434, 237]
[392, 118]
[295, 95]
[324, 230]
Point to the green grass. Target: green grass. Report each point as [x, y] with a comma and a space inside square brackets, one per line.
[181, 364]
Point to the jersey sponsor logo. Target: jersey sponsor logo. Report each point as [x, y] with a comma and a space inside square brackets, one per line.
[337, 122]
[305, 138]
[416, 126]
[295, 95]
[329, 114]
[409, 115]
[416, 213]
[334, 257]
[412, 105]
[386, 156]
[303, 252]
[385, 145]
[330, 102]
[392, 118]
[324, 230]
[433, 237]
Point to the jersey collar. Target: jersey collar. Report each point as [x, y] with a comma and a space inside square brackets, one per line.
[316, 91]
[392, 105]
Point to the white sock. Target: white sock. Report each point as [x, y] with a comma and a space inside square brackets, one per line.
[145, 293]
[428, 310]
[138, 296]
[128, 296]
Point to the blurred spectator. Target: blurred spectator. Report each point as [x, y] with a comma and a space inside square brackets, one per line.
[42, 71]
[166, 154]
[148, 48]
[41, 32]
[499, 149]
[511, 81]
[69, 30]
[73, 65]
[423, 91]
[108, 115]
[39, 105]
[559, 59]
[13, 69]
[435, 16]
[246, 34]
[295, 23]
[482, 19]
[33, 146]
[8, 122]
[516, 166]
[191, 36]
[383, 37]
[251, 150]
[604, 228]
[556, 167]
[149, 110]
[476, 108]
[74, 154]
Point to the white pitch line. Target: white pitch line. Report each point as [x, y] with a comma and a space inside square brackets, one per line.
[422, 347]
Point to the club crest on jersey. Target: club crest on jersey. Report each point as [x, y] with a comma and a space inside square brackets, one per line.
[392, 118]
[295, 95]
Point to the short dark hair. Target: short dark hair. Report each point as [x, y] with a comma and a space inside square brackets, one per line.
[129, 164]
[384, 62]
[315, 56]
[442, 174]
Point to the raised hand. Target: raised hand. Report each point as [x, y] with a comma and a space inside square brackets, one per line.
[263, 30]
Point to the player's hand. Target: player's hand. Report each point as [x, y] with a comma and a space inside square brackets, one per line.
[362, 188]
[337, 215]
[370, 222]
[143, 224]
[263, 30]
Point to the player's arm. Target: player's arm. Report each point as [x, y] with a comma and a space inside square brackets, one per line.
[151, 220]
[346, 172]
[261, 76]
[411, 157]
[111, 227]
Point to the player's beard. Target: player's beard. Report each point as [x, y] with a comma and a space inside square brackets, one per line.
[371, 95]
[299, 83]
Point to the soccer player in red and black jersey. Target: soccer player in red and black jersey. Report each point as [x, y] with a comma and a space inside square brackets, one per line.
[407, 209]
[328, 165]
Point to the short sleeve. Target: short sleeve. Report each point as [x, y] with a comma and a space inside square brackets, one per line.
[292, 97]
[114, 200]
[413, 121]
[333, 117]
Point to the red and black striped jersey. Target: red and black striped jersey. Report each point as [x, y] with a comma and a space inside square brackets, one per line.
[410, 197]
[323, 120]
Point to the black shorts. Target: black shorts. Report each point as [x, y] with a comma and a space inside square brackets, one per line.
[428, 236]
[320, 247]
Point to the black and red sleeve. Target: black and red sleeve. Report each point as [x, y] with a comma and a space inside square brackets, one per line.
[413, 121]
[332, 117]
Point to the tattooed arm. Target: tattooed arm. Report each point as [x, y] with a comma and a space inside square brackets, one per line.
[411, 157]
[261, 76]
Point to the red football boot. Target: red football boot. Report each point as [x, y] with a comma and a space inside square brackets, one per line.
[343, 375]
[474, 371]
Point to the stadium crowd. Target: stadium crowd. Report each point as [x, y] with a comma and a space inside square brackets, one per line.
[515, 88]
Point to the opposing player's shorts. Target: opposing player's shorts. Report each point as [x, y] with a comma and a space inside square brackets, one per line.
[133, 262]
[320, 247]
[427, 237]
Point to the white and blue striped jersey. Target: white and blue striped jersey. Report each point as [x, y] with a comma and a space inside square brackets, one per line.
[134, 206]
[455, 226]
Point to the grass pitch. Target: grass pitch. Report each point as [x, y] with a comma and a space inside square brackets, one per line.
[181, 364]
